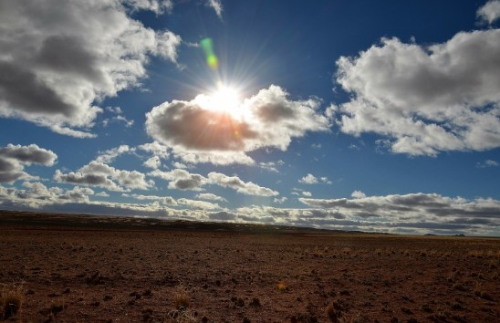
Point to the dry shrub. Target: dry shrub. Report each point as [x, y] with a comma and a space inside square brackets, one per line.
[346, 251]
[11, 301]
[317, 253]
[335, 313]
[182, 312]
[282, 286]
[181, 316]
[181, 298]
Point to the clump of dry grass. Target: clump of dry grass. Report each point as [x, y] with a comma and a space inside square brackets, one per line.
[318, 253]
[11, 301]
[281, 285]
[184, 316]
[181, 298]
[182, 312]
[335, 313]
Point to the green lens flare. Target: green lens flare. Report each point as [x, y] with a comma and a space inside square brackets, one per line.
[207, 46]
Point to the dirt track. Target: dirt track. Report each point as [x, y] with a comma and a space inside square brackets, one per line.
[81, 273]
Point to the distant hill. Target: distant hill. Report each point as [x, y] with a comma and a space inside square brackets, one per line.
[41, 220]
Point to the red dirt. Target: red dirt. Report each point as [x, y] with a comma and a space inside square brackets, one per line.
[70, 272]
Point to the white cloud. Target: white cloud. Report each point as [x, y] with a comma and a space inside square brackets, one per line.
[184, 180]
[197, 133]
[217, 6]
[213, 157]
[271, 166]
[211, 197]
[110, 155]
[325, 180]
[168, 200]
[100, 174]
[118, 118]
[181, 179]
[280, 200]
[165, 200]
[358, 194]
[240, 186]
[158, 152]
[36, 195]
[153, 162]
[13, 159]
[306, 193]
[308, 179]
[157, 6]
[179, 165]
[198, 205]
[60, 59]
[490, 11]
[116, 110]
[442, 97]
[488, 163]
[155, 148]
[57, 128]
[77, 194]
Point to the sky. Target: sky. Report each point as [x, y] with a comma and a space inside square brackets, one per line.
[349, 115]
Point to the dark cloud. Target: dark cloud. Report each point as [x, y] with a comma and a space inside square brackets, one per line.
[70, 55]
[79, 178]
[26, 92]
[13, 159]
[271, 113]
[9, 177]
[8, 166]
[192, 183]
[188, 125]
[29, 154]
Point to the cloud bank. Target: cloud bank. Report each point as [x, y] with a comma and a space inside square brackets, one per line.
[417, 213]
[183, 180]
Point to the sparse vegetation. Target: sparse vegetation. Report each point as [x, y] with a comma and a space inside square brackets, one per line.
[181, 298]
[11, 301]
[193, 276]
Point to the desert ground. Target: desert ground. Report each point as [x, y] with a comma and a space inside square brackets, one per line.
[61, 268]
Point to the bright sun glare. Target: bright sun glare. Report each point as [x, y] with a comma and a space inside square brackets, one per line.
[225, 99]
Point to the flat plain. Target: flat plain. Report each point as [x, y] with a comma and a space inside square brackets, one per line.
[75, 268]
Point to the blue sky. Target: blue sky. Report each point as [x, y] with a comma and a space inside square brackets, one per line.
[355, 115]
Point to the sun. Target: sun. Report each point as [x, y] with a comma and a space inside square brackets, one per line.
[224, 99]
